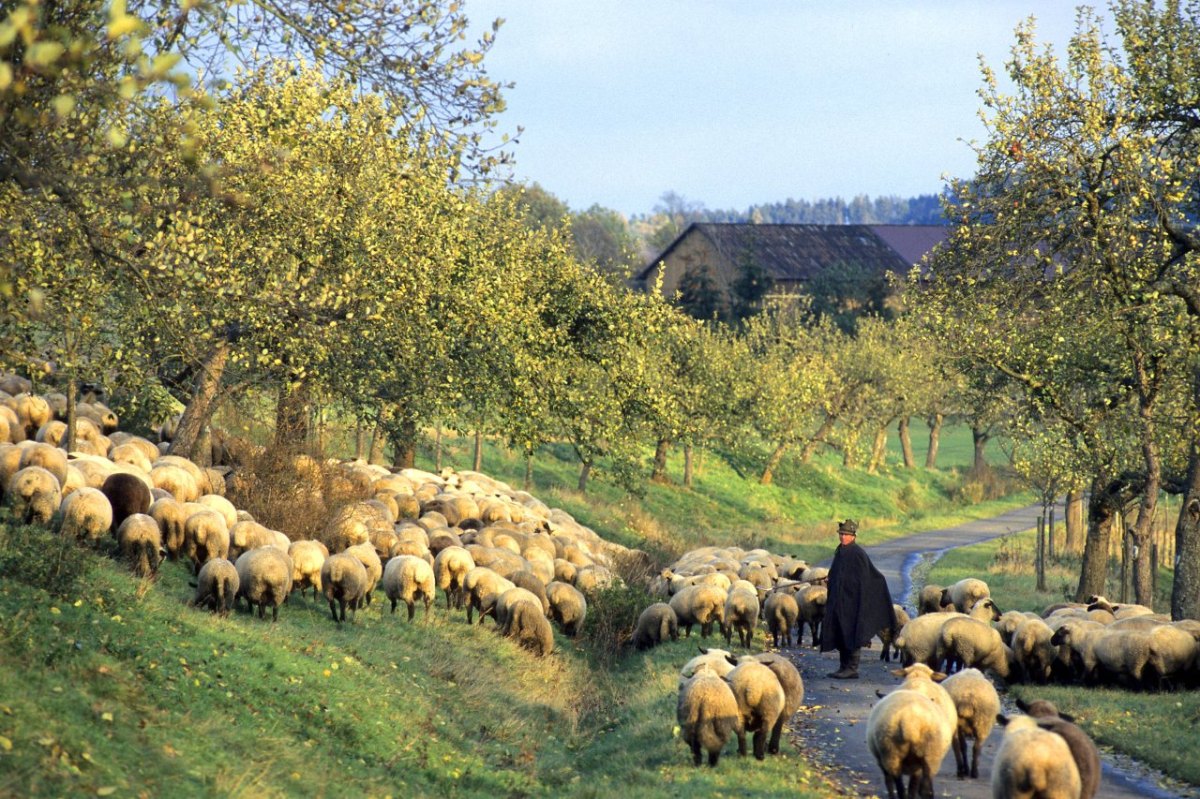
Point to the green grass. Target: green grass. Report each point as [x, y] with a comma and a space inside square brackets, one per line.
[112, 686]
[1161, 730]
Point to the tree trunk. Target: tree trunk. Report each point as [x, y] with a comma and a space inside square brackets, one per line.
[528, 468]
[68, 442]
[478, 460]
[1143, 530]
[291, 417]
[980, 438]
[379, 438]
[1074, 521]
[584, 471]
[878, 450]
[1094, 570]
[360, 442]
[199, 409]
[658, 473]
[437, 448]
[1185, 594]
[768, 473]
[906, 443]
[405, 442]
[687, 465]
[935, 435]
[818, 438]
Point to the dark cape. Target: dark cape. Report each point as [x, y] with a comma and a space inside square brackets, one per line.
[859, 604]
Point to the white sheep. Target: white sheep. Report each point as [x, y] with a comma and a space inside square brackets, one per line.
[965, 643]
[140, 543]
[372, 563]
[793, 692]
[205, 536]
[519, 616]
[1078, 637]
[977, 703]
[760, 700]
[699, 604]
[782, 611]
[965, 593]
[708, 715]
[344, 582]
[482, 587]
[741, 614]
[216, 586]
[1033, 650]
[719, 661]
[811, 601]
[264, 578]
[1082, 747]
[929, 599]
[908, 735]
[307, 559]
[406, 579]
[34, 495]
[49, 457]
[1033, 762]
[450, 567]
[86, 515]
[655, 625]
[918, 639]
[568, 607]
[888, 635]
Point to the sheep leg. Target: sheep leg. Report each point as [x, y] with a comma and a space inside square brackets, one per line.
[776, 732]
[974, 757]
[760, 742]
[696, 752]
[959, 745]
[894, 786]
[741, 736]
[713, 756]
[412, 608]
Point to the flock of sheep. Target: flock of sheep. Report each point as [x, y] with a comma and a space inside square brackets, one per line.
[488, 548]
[958, 631]
[502, 553]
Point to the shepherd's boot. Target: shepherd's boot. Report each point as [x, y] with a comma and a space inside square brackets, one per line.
[849, 669]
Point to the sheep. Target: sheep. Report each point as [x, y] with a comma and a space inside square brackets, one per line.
[741, 614]
[406, 579]
[246, 535]
[32, 412]
[171, 516]
[917, 640]
[655, 625]
[216, 586]
[1009, 621]
[1083, 749]
[526, 579]
[34, 494]
[86, 515]
[888, 635]
[781, 611]
[199, 478]
[708, 715]
[344, 582]
[223, 507]
[568, 607]
[965, 642]
[699, 604]
[1121, 656]
[811, 601]
[1172, 654]
[719, 661]
[264, 578]
[908, 735]
[505, 602]
[976, 703]
[450, 567]
[965, 593]
[527, 624]
[131, 454]
[175, 480]
[372, 563]
[1033, 762]
[595, 577]
[140, 543]
[1032, 647]
[793, 692]
[49, 457]
[482, 586]
[307, 559]
[127, 494]
[205, 537]
[760, 699]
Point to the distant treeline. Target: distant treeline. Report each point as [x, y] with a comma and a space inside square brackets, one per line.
[861, 210]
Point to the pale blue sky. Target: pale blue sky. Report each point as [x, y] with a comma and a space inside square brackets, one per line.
[740, 103]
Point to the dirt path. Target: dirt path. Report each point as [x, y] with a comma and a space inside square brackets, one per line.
[831, 726]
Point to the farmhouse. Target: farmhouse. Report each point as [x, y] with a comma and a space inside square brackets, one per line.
[791, 258]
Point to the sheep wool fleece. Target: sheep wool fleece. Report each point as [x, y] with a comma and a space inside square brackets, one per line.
[859, 604]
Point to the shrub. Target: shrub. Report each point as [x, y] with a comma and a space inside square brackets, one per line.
[37, 557]
[612, 614]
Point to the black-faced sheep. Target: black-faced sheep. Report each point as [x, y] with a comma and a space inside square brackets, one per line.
[793, 693]
[216, 586]
[1033, 762]
[760, 701]
[34, 495]
[908, 736]
[127, 494]
[140, 543]
[918, 639]
[699, 604]
[520, 617]
[811, 601]
[708, 715]
[656, 624]
[888, 635]
[964, 642]
[264, 578]
[781, 611]
[406, 579]
[568, 607]
[1033, 650]
[344, 582]
[977, 704]
[1083, 749]
[86, 515]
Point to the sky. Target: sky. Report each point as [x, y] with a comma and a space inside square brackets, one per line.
[739, 103]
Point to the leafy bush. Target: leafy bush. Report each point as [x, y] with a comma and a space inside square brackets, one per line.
[37, 557]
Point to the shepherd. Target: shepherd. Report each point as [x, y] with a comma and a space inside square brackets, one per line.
[859, 603]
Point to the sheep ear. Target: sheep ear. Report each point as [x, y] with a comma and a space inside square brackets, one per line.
[1066, 717]
[732, 660]
[703, 651]
[1002, 719]
[193, 585]
[1022, 705]
[938, 676]
[879, 692]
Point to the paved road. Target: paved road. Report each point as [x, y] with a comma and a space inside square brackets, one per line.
[832, 725]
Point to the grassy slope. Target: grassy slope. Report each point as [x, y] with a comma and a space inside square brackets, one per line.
[1158, 729]
[118, 688]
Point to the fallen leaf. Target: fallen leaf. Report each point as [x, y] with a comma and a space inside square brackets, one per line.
[5, 744]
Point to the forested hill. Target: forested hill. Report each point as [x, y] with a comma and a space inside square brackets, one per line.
[861, 210]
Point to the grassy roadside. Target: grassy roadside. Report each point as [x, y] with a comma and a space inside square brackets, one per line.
[112, 686]
[1161, 730]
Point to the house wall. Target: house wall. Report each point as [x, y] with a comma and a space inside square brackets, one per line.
[693, 252]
